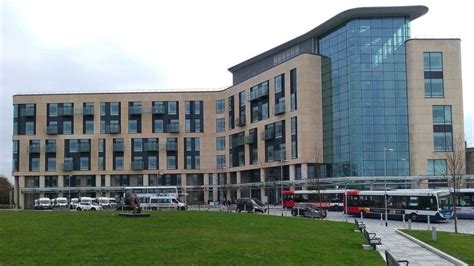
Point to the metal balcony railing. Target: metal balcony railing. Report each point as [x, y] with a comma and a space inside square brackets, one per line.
[35, 148]
[68, 166]
[116, 147]
[88, 110]
[52, 130]
[279, 108]
[137, 165]
[158, 109]
[135, 110]
[151, 146]
[112, 129]
[249, 139]
[260, 92]
[241, 121]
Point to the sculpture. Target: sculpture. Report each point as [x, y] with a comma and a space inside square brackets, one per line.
[132, 200]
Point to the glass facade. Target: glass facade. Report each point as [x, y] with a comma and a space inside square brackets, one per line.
[365, 97]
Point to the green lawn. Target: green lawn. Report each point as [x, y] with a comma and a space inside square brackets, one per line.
[460, 246]
[29, 237]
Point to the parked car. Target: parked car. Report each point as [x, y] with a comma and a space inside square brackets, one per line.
[44, 204]
[73, 203]
[156, 203]
[250, 205]
[86, 206]
[59, 203]
[307, 210]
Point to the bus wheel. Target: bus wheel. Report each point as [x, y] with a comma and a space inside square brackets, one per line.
[413, 217]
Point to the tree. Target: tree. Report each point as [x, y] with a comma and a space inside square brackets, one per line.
[271, 176]
[455, 169]
[6, 189]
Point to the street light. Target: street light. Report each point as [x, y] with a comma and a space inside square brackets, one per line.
[385, 149]
[281, 181]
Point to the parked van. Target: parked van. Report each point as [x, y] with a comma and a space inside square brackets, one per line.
[73, 203]
[156, 203]
[44, 203]
[59, 202]
[103, 202]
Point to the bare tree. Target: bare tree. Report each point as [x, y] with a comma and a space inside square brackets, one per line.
[455, 166]
[271, 176]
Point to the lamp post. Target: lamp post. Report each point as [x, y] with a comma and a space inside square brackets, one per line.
[385, 149]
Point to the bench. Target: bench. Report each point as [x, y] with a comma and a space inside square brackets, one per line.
[392, 261]
[359, 225]
[372, 239]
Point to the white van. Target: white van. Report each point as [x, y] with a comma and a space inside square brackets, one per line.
[60, 202]
[73, 203]
[103, 202]
[156, 203]
[44, 203]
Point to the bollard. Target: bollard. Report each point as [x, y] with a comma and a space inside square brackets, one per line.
[428, 219]
[409, 224]
[381, 219]
[403, 218]
[433, 233]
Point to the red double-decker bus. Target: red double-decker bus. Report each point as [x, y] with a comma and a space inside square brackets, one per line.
[330, 199]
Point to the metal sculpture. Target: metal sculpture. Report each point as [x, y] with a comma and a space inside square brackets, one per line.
[132, 200]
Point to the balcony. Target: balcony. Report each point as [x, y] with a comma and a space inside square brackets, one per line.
[68, 166]
[240, 121]
[88, 110]
[158, 110]
[238, 141]
[249, 139]
[135, 110]
[279, 108]
[84, 147]
[258, 93]
[52, 130]
[171, 146]
[35, 148]
[67, 111]
[117, 147]
[112, 129]
[50, 148]
[279, 155]
[137, 165]
[151, 146]
[30, 111]
[173, 128]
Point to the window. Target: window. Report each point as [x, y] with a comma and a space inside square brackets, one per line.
[102, 109]
[293, 89]
[89, 127]
[187, 127]
[84, 163]
[220, 143]
[67, 127]
[189, 162]
[220, 106]
[197, 162]
[158, 126]
[73, 145]
[442, 128]
[279, 83]
[188, 144]
[197, 107]
[119, 163]
[35, 164]
[278, 130]
[433, 73]
[137, 145]
[152, 162]
[30, 128]
[437, 167]
[197, 125]
[53, 109]
[101, 165]
[220, 124]
[197, 145]
[171, 162]
[220, 161]
[132, 126]
[101, 145]
[187, 107]
[172, 108]
[114, 108]
[51, 165]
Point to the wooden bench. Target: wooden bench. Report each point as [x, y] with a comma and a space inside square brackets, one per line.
[372, 239]
[392, 261]
[359, 225]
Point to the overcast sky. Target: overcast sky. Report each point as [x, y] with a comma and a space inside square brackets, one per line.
[151, 45]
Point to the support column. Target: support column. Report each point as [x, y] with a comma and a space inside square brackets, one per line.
[292, 176]
[108, 180]
[98, 185]
[227, 181]
[41, 185]
[206, 188]
[146, 180]
[262, 189]
[304, 175]
[215, 181]
[239, 191]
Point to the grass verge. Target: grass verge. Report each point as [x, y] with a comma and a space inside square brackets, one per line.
[457, 245]
[29, 237]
